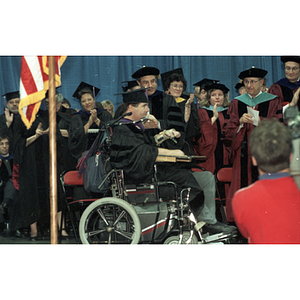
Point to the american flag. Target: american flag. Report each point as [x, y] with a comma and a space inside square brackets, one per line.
[34, 83]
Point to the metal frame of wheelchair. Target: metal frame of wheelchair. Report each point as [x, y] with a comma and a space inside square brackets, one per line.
[150, 213]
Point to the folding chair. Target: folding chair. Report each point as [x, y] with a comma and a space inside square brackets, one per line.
[223, 176]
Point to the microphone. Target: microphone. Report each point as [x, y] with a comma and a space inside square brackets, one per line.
[113, 122]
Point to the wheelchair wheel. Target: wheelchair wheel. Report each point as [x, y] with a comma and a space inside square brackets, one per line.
[186, 240]
[109, 221]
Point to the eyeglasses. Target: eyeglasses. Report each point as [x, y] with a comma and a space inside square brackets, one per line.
[246, 82]
[175, 86]
[294, 69]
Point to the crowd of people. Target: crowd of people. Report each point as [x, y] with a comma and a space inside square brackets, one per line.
[236, 133]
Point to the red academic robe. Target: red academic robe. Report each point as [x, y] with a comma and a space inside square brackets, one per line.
[243, 172]
[210, 143]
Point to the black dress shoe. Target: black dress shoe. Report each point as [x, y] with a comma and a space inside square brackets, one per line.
[218, 227]
[18, 234]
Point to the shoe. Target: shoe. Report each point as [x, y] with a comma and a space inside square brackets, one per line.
[18, 234]
[33, 239]
[218, 227]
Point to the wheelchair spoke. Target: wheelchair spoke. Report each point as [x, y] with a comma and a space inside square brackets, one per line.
[100, 212]
[121, 215]
[91, 233]
[128, 235]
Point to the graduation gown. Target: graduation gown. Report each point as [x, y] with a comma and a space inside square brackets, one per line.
[210, 144]
[192, 127]
[33, 163]
[285, 90]
[133, 151]
[244, 173]
[165, 109]
[78, 140]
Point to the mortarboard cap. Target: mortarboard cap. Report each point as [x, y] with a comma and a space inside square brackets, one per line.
[94, 90]
[144, 72]
[217, 86]
[11, 95]
[204, 82]
[253, 72]
[166, 75]
[296, 59]
[130, 84]
[239, 85]
[135, 96]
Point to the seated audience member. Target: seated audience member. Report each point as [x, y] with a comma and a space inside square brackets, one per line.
[8, 193]
[240, 124]
[134, 152]
[268, 211]
[286, 87]
[109, 106]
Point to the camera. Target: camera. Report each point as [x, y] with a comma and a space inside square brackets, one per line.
[292, 118]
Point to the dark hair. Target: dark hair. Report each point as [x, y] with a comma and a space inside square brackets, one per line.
[85, 90]
[271, 145]
[175, 77]
[66, 101]
[4, 136]
[123, 108]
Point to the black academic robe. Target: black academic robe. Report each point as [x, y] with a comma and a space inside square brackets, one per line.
[192, 128]
[33, 162]
[165, 109]
[79, 141]
[133, 151]
[285, 90]
[8, 192]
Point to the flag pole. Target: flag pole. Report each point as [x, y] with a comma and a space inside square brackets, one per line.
[52, 152]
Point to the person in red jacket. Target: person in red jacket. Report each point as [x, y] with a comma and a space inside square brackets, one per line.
[268, 211]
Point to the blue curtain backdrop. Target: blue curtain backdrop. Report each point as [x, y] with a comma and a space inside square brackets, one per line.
[107, 72]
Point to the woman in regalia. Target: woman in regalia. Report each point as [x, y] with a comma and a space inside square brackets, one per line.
[86, 123]
[213, 116]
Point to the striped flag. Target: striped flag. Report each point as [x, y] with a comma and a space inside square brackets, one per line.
[34, 83]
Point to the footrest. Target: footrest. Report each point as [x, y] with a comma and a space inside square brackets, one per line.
[199, 225]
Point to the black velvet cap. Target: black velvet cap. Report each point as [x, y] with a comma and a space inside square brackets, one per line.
[239, 85]
[144, 72]
[11, 95]
[202, 83]
[253, 72]
[135, 96]
[84, 85]
[164, 76]
[130, 84]
[217, 86]
[296, 59]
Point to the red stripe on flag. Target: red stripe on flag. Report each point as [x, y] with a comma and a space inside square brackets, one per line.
[27, 78]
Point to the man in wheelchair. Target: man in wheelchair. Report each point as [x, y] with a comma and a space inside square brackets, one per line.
[135, 153]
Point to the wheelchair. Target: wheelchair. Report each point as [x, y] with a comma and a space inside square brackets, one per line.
[156, 213]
